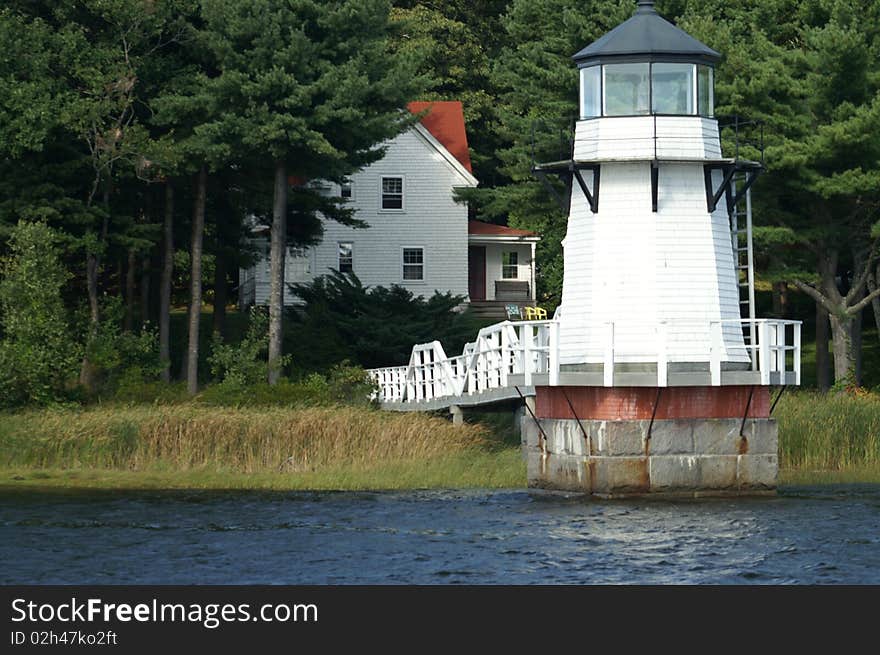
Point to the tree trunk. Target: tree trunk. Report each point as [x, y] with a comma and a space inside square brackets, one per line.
[278, 245]
[88, 373]
[841, 337]
[146, 273]
[857, 349]
[875, 303]
[165, 285]
[823, 368]
[780, 299]
[195, 307]
[130, 270]
[221, 293]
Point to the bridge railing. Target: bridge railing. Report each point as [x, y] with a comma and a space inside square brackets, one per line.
[531, 348]
[499, 351]
[768, 343]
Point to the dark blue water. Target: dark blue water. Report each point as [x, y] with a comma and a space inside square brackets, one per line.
[821, 535]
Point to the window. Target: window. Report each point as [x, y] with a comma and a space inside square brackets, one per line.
[591, 92]
[627, 89]
[509, 265]
[346, 257]
[673, 88]
[705, 90]
[345, 190]
[392, 193]
[413, 264]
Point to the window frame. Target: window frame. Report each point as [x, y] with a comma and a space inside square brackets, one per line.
[397, 210]
[404, 264]
[339, 245]
[514, 265]
[349, 183]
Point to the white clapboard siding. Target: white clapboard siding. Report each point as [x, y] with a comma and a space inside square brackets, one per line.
[297, 269]
[633, 137]
[431, 220]
[635, 268]
[494, 263]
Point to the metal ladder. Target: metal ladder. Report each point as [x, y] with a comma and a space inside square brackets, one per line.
[744, 258]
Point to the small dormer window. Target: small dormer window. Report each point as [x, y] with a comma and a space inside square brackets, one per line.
[345, 189]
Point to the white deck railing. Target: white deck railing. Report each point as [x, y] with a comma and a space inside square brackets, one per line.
[527, 349]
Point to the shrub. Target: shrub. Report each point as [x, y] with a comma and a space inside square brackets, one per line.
[373, 326]
[38, 355]
[246, 363]
[345, 385]
[124, 360]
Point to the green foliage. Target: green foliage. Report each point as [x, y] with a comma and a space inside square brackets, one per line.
[373, 326]
[38, 356]
[244, 364]
[123, 360]
[344, 384]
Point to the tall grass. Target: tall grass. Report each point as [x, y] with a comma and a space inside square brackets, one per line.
[829, 432]
[241, 440]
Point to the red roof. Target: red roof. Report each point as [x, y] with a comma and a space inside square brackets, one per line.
[445, 121]
[479, 227]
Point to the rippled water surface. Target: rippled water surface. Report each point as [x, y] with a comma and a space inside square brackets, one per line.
[807, 535]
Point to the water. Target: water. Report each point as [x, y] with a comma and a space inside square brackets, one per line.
[806, 535]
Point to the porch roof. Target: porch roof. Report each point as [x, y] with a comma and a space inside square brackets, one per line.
[480, 231]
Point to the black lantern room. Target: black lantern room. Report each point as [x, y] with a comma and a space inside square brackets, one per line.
[646, 66]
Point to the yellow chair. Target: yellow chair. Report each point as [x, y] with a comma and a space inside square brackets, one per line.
[536, 314]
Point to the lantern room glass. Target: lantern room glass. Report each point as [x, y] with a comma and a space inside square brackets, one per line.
[673, 88]
[627, 89]
[706, 90]
[639, 89]
[591, 92]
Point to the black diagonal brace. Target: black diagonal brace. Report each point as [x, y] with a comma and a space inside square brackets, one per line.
[563, 202]
[592, 198]
[713, 196]
[655, 181]
[750, 180]
[568, 171]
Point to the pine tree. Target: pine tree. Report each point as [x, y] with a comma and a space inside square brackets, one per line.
[310, 87]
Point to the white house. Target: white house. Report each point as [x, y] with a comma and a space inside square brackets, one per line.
[418, 237]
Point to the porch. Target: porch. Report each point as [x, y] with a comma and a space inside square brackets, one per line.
[501, 269]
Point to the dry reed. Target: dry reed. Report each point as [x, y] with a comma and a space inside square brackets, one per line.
[188, 437]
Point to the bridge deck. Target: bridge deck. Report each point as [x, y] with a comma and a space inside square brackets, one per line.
[510, 359]
[485, 399]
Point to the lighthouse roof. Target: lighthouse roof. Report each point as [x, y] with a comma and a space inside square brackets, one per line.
[647, 36]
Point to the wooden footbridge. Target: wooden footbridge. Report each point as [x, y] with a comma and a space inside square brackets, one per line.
[508, 360]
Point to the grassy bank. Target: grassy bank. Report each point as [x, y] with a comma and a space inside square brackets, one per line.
[189, 446]
[823, 439]
[829, 432]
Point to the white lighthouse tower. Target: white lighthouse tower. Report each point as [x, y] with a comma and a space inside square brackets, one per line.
[661, 376]
[644, 250]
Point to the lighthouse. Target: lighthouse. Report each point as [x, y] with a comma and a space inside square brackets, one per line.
[663, 374]
[654, 376]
